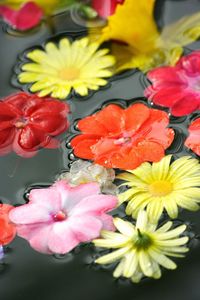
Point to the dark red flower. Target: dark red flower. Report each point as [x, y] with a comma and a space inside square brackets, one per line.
[28, 123]
[177, 87]
[123, 138]
[7, 228]
[27, 17]
[106, 8]
[193, 140]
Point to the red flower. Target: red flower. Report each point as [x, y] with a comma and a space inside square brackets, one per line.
[123, 138]
[177, 87]
[28, 122]
[193, 140]
[106, 8]
[7, 229]
[27, 17]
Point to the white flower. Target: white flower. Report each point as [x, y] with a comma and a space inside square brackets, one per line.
[83, 172]
[143, 248]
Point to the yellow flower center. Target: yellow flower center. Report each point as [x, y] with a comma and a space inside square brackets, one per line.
[69, 74]
[160, 188]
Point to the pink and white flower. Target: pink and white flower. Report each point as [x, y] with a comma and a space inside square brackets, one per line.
[58, 218]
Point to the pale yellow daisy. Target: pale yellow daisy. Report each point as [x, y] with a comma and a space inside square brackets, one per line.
[57, 69]
[162, 186]
[143, 248]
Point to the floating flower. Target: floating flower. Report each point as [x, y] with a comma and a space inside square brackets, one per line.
[56, 70]
[60, 217]
[28, 16]
[28, 123]
[106, 8]
[177, 87]
[162, 186]
[123, 138]
[141, 44]
[7, 229]
[85, 171]
[143, 248]
[193, 140]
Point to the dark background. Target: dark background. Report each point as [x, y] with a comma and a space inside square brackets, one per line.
[26, 274]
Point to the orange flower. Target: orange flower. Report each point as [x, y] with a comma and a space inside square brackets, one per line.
[123, 138]
[7, 229]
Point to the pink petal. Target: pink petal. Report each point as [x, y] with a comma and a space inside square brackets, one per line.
[30, 214]
[61, 238]
[72, 195]
[49, 198]
[107, 222]
[37, 236]
[27, 17]
[86, 227]
[95, 204]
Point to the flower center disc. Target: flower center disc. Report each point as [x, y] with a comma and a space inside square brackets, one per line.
[20, 124]
[69, 74]
[60, 216]
[160, 188]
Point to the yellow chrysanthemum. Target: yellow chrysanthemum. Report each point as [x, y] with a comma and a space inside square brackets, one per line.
[145, 47]
[142, 248]
[57, 69]
[162, 186]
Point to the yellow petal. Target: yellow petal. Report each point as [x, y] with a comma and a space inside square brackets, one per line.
[111, 257]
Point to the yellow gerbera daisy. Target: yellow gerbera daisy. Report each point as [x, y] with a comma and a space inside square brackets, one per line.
[56, 70]
[160, 186]
[142, 248]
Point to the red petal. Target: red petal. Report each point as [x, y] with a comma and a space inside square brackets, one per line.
[105, 8]
[53, 124]
[79, 138]
[135, 116]
[47, 106]
[167, 96]
[113, 118]
[6, 140]
[84, 149]
[22, 102]
[186, 105]
[190, 63]
[31, 138]
[165, 76]
[7, 229]
[92, 126]
[28, 16]
[156, 126]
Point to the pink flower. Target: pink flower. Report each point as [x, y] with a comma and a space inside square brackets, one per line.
[60, 217]
[177, 87]
[106, 8]
[27, 17]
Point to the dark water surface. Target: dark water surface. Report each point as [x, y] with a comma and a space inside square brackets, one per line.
[29, 275]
